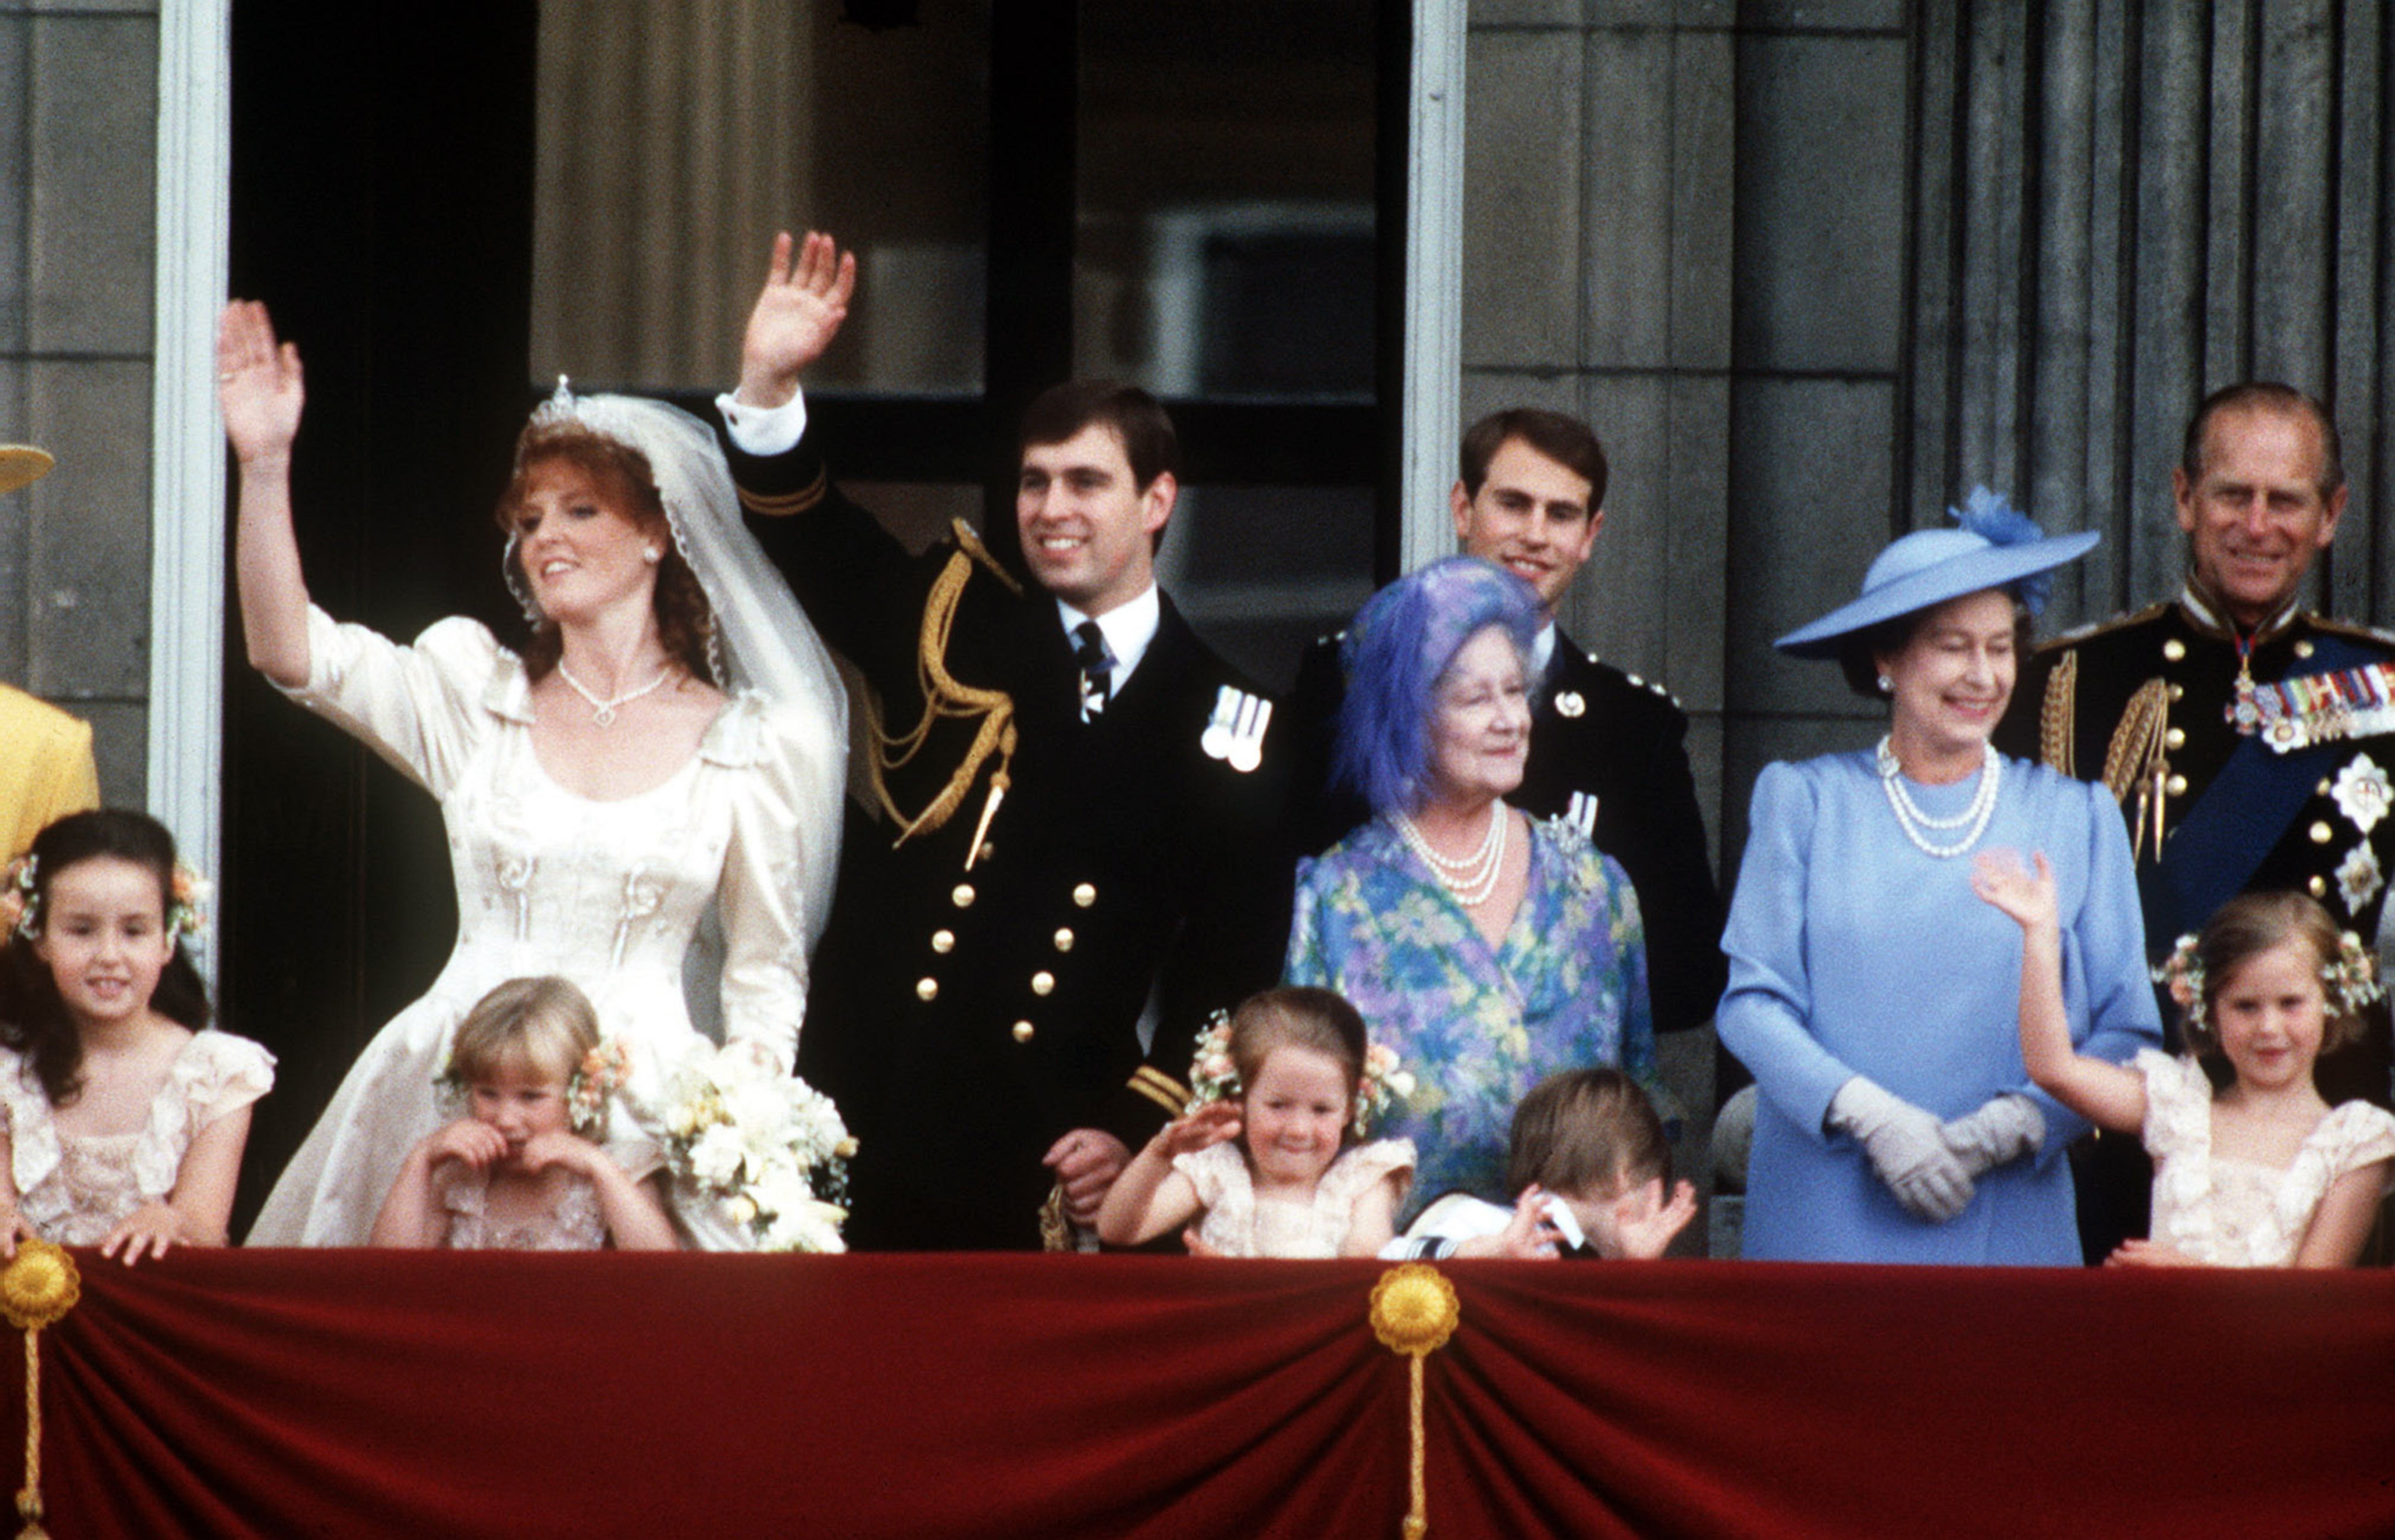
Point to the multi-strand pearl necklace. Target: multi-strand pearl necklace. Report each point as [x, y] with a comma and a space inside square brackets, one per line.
[1972, 820]
[1470, 878]
[603, 711]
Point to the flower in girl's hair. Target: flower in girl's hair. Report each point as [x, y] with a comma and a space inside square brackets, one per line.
[1383, 1085]
[2183, 974]
[190, 894]
[1212, 1076]
[20, 908]
[600, 1074]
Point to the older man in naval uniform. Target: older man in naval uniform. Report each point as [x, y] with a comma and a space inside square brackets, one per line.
[2250, 741]
[1607, 750]
[1076, 809]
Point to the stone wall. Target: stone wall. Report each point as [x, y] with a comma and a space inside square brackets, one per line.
[78, 93]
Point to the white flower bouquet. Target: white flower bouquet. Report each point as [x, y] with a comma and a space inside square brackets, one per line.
[770, 1149]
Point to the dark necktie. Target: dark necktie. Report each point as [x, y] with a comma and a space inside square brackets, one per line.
[1097, 667]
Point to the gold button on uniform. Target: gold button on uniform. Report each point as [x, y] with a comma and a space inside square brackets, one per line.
[2319, 886]
[1064, 939]
[2303, 649]
[2322, 833]
[1043, 983]
[927, 988]
[944, 941]
[2323, 787]
[2174, 649]
[2175, 785]
[2177, 691]
[1084, 895]
[2174, 738]
[987, 850]
[1023, 1030]
[963, 896]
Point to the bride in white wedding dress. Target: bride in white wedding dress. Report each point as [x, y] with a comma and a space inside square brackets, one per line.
[673, 733]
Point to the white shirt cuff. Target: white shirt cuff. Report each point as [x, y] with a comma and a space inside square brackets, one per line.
[764, 431]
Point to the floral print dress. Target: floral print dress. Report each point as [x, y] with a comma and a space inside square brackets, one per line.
[1477, 1028]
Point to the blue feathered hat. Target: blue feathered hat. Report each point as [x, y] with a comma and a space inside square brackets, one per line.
[1997, 546]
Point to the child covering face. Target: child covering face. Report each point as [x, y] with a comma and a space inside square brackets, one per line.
[1591, 1175]
[1274, 1173]
[517, 1173]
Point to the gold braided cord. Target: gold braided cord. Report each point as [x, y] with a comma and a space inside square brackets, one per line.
[2057, 729]
[2137, 747]
[945, 698]
[1414, 1312]
[38, 1290]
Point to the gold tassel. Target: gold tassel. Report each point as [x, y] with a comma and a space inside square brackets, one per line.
[1414, 1312]
[36, 1289]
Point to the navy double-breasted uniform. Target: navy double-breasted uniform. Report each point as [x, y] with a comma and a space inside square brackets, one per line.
[1026, 885]
[1609, 752]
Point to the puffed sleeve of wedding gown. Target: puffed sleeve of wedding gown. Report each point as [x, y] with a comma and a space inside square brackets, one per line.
[784, 847]
[421, 706]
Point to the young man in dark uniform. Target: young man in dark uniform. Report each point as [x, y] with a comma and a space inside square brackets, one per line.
[1075, 805]
[2250, 742]
[1607, 750]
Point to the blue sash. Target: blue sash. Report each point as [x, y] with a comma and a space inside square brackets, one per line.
[2237, 822]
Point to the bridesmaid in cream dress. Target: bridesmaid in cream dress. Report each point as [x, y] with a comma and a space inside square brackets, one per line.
[672, 735]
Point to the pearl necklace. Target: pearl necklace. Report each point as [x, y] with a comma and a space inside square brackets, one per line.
[603, 711]
[1470, 878]
[1973, 819]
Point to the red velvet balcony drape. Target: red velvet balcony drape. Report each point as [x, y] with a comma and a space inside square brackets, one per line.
[340, 1393]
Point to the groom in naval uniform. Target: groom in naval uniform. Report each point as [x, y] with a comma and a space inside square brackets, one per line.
[2250, 742]
[1074, 818]
[1607, 750]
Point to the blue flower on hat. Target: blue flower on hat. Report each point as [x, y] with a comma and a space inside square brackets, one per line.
[1986, 514]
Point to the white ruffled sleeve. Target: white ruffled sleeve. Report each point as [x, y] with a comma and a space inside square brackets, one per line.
[2179, 1105]
[1357, 1171]
[2355, 1135]
[217, 1073]
[26, 1117]
[423, 708]
[777, 870]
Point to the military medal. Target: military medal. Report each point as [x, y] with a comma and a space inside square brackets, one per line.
[2244, 714]
[2363, 793]
[2323, 707]
[2359, 878]
[1235, 734]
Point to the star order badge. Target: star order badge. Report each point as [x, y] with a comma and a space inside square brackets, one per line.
[2362, 793]
[1570, 703]
[2358, 877]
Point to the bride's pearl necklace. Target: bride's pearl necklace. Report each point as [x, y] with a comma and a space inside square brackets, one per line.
[1972, 820]
[603, 711]
[1470, 878]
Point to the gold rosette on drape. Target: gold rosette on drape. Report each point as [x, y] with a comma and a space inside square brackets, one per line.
[36, 1289]
[1414, 1312]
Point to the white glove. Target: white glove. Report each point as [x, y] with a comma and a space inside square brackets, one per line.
[1907, 1147]
[2005, 1128]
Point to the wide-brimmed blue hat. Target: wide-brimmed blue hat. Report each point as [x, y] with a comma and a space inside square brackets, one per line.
[1997, 546]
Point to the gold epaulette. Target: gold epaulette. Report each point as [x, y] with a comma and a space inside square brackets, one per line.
[2353, 632]
[781, 505]
[2098, 628]
[944, 695]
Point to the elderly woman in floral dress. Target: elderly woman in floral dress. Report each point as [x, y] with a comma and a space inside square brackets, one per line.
[1488, 948]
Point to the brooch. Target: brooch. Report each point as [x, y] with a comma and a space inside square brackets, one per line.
[2363, 793]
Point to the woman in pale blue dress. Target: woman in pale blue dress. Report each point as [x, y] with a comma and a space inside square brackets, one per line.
[1490, 949]
[1874, 996]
